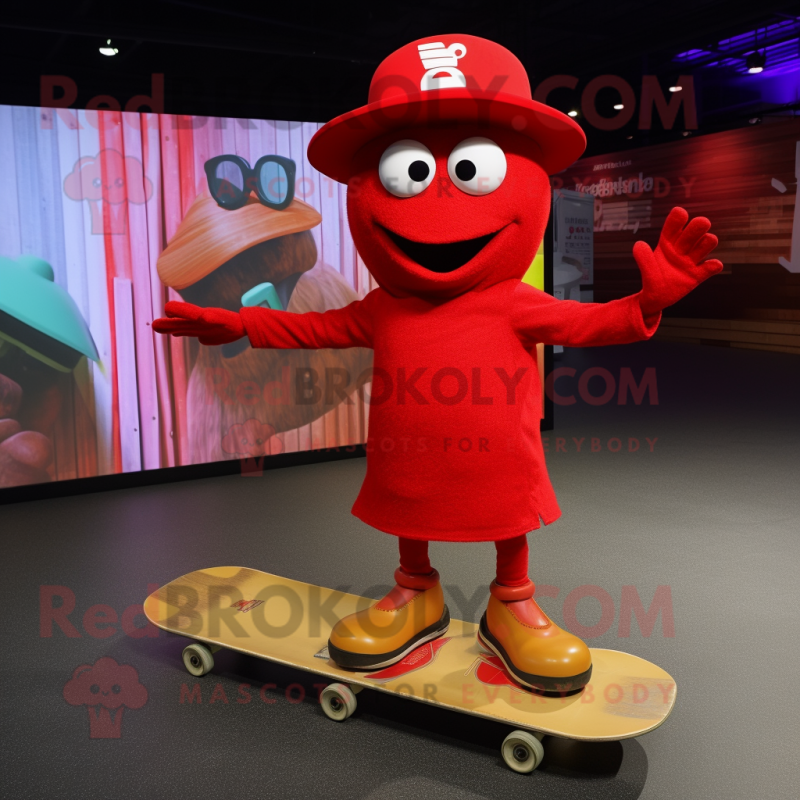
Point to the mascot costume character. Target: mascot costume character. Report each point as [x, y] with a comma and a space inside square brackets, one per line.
[448, 197]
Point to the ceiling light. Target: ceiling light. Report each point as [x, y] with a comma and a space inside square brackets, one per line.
[618, 107]
[572, 113]
[108, 50]
[755, 63]
[676, 88]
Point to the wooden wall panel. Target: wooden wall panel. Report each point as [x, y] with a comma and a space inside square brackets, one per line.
[744, 181]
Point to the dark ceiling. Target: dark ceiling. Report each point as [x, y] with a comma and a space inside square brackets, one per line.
[304, 62]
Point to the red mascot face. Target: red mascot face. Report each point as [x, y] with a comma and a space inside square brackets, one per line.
[436, 212]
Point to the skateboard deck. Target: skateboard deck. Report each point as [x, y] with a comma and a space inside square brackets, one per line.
[289, 622]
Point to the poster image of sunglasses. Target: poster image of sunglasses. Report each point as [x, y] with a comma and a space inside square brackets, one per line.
[231, 180]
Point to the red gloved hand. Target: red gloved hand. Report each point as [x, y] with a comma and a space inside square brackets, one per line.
[209, 325]
[678, 264]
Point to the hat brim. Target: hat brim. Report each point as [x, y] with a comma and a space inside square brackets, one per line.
[560, 139]
[208, 236]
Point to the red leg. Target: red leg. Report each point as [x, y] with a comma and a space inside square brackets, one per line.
[512, 561]
[414, 557]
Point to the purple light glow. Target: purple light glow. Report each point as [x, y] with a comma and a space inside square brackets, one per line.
[782, 54]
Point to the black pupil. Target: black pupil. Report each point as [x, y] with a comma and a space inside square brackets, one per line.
[465, 170]
[418, 171]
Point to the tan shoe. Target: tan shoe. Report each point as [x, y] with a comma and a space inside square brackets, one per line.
[411, 614]
[533, 648]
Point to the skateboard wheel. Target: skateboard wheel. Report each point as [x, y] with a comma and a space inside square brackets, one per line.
[522, 751]
[338, 701]
[197, 659]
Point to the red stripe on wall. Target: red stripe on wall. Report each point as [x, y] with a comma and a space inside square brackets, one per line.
[108, 244]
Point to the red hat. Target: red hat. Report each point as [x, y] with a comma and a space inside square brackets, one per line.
[441, 79]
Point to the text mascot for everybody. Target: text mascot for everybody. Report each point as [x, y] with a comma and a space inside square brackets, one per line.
[448, 197]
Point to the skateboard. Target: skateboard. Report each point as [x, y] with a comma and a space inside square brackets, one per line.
[289, 622]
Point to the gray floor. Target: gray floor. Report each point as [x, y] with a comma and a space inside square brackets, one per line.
[712, 512]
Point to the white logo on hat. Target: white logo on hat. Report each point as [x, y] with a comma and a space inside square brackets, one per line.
[438, 59]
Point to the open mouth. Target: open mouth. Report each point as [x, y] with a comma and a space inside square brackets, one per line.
[445, 257]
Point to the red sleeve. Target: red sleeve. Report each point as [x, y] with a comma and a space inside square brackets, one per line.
[350, 326]
[539, 317]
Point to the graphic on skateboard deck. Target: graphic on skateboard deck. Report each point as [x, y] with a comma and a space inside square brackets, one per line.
[289, 622]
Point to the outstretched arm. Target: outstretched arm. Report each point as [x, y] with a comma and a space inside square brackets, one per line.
[677, 266]
[539, 317]
[350, 326]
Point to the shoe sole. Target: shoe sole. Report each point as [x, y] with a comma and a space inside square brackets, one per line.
[349, 660]
[539, 683]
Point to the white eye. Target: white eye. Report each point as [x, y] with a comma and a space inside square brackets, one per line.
[407, 168]
[477, 166]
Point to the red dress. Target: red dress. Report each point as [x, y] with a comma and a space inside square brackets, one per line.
[454, 451]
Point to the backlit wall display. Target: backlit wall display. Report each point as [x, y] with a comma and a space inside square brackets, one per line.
[104, 217]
